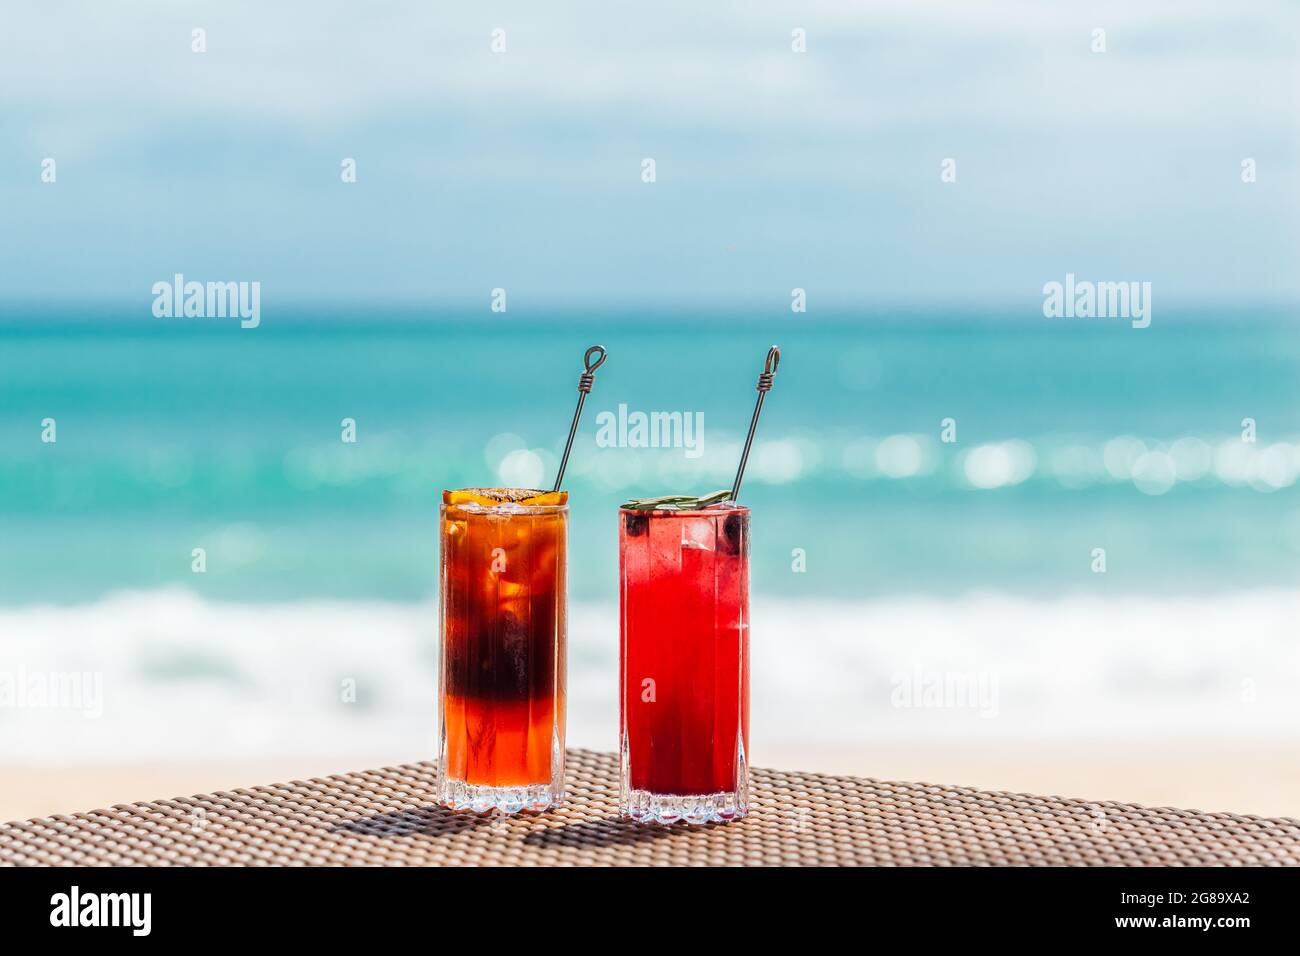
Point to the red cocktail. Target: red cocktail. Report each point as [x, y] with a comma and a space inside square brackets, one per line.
[684, 663]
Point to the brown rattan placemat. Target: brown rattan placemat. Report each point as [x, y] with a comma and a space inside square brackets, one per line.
[386, 817]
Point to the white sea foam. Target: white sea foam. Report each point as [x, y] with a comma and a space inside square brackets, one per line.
[188, 679]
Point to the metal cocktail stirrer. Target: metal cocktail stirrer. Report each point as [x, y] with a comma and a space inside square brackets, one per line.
[584, 387]
[764, 386]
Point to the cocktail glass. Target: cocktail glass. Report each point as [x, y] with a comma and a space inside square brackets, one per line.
[684, 664]
[502, 674]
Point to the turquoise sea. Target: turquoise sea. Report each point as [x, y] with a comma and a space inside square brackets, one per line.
[185, 433]
[883, 557]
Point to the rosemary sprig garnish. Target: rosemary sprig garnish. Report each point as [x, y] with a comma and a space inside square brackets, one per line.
[677, 502]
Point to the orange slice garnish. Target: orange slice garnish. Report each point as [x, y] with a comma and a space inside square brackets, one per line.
[495, 496]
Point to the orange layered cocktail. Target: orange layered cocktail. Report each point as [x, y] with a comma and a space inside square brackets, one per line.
[502, 673]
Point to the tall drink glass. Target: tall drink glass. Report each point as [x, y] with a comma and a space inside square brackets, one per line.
[684, 664]
[501, 686]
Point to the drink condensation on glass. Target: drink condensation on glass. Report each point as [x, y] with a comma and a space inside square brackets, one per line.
[502, 673]
[684, 664]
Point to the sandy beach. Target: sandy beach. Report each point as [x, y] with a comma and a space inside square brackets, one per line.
[1218, 776]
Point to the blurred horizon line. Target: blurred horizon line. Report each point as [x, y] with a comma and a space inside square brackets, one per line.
[405, 310]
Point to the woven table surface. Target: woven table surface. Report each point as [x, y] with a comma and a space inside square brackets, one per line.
[386, 817]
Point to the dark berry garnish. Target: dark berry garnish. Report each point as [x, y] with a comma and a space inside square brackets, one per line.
[733, 535]
[636, 523]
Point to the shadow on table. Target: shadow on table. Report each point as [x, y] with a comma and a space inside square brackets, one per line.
[609, 831]
[424, 821]
[436, 821]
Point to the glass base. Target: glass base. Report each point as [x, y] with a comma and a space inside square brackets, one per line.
[459, 795]
[642, 806]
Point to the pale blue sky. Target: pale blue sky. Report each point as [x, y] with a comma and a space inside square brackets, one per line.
[775, 169]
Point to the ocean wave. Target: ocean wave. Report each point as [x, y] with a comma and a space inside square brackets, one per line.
[179, 677]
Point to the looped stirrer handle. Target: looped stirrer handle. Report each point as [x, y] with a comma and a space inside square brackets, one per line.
[588, 377]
